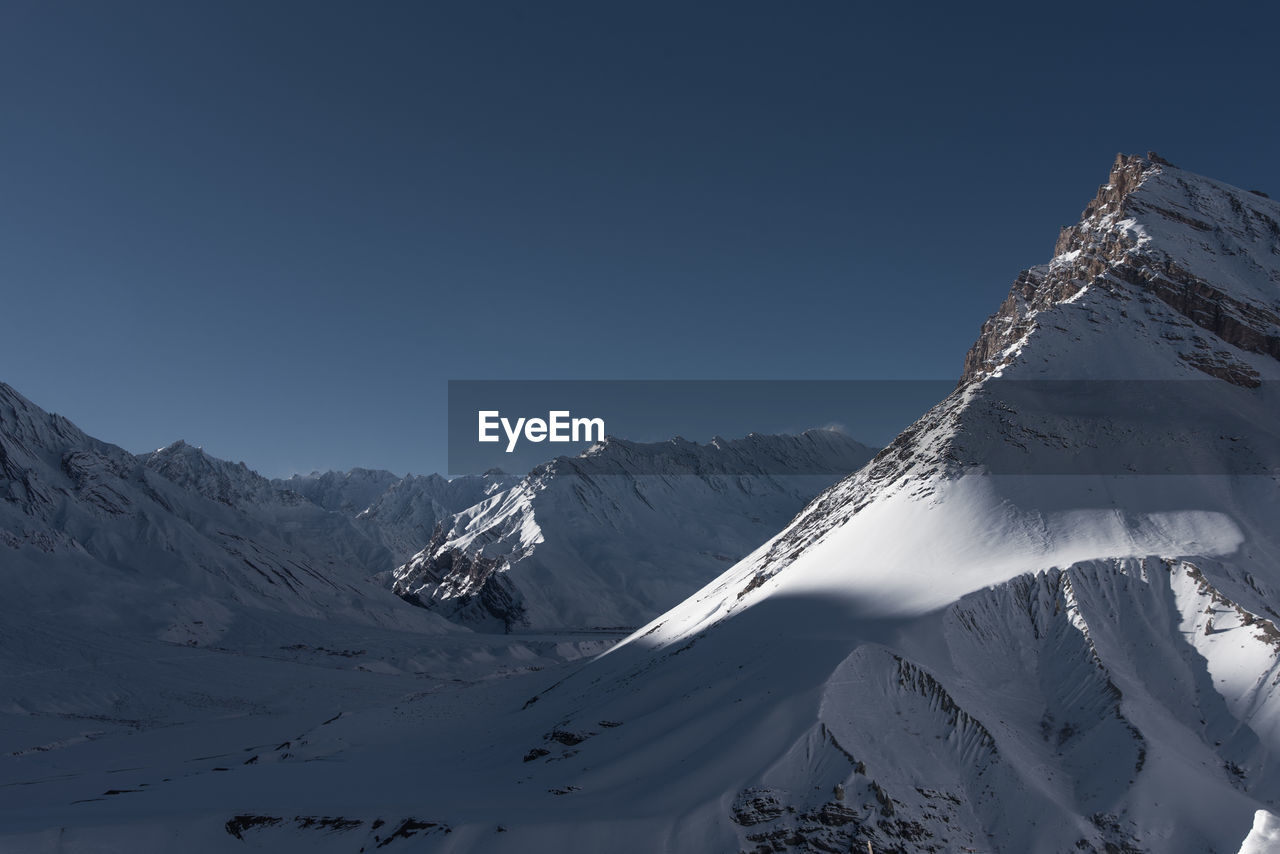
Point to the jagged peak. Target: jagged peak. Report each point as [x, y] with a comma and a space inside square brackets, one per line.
[1204, 249]
[232, 483]
[1128, 172]
[181, 446]
[185, 450]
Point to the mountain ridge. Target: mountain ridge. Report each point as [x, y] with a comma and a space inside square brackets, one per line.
[556, 548]
[187, 545]
[949, 657]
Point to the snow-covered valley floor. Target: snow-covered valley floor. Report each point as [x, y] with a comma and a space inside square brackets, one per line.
[132, 745]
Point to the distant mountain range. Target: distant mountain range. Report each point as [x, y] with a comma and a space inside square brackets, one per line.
[615, 543]
[400, 514]
[174, 544]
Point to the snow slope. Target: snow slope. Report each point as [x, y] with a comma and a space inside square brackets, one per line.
[159, 608]
[400, 514]
[329, 539]
[405, 516]
[620, 533]
[937, 655]
[90, 530]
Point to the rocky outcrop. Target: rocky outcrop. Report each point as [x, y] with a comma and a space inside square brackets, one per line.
[464, 587]
[406, 514]
[1107, 250]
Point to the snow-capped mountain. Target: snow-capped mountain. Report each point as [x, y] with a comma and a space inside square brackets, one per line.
[932, 657]
[173, 544]
[405, 516]
[328, 538]
[398, 513]
[233, 484]
[614, 536]
[347, 492]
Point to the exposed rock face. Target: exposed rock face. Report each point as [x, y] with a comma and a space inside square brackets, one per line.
[407, 514]
[465, 587]
[1163, 263]
[1115, 247]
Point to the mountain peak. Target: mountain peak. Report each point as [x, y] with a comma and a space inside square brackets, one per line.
[181, 446]
[234, 484]
[1128, 171]
[1199, 259]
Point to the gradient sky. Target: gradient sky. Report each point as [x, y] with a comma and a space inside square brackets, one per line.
[277, 229]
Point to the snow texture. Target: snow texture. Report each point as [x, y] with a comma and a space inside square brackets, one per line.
[1264, 837]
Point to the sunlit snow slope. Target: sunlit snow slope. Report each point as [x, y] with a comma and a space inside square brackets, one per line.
[964, 646]
[622, 532]
[936, 657]
[400, 514]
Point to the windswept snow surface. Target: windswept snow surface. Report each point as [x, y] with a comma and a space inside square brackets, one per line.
[934, 656]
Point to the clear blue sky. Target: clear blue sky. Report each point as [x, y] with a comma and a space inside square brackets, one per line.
[277, 229]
